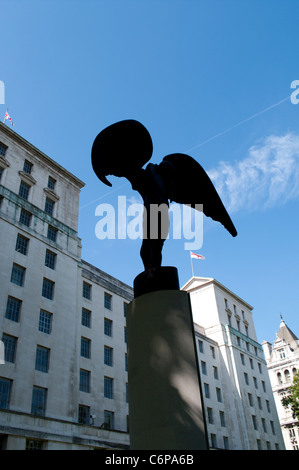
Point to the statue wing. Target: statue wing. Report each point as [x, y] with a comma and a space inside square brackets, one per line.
[191, 185]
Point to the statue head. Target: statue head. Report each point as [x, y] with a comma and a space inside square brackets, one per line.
[121, 149]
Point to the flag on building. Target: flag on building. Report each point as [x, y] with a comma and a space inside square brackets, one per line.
[194, 255]
[7, 116]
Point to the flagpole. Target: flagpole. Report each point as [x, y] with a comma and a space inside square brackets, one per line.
[4, 116]
[191, 265]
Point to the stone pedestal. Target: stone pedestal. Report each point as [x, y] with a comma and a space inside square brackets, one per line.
[165, 405]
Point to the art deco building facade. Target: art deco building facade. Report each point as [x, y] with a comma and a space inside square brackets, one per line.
[62, 321]
[238, 400]
[283, 363]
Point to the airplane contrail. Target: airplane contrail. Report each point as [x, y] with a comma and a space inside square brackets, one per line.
[202, 143]
[239, 123]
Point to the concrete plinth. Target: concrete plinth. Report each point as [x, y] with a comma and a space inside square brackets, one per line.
[165, 405]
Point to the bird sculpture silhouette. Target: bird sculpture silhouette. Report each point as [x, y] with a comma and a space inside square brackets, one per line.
[122, 149]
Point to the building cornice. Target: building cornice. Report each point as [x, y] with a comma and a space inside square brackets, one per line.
[213, 282]
[107, 281]
[40, 155]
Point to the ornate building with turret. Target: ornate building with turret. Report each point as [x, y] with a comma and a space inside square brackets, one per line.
[283, 363]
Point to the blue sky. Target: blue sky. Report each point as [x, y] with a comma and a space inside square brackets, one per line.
[207, 78]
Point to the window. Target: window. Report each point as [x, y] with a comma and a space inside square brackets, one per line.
[272, 427]
[24, 190]
[215, 371]
[1, 172]
[200, 346]
[259, 444]
[34, 444]
[213, 440]
[225, 303]
[203, 368]
[25, 218]
[219, 394]
[242, 359]
[13, 308]
[17, 275]
[5, 388]
[42, 359]
[3, 149]
[108, 356]
[50, 259]
[27, 168]
[212, 351]
[264, 425]
[108, 387]
[108, 301]
[246, 378]
[22, 244]
[85, 347]
[287, 376]
[127, 393]
[225, 443]
[52, 233]
[259, 402]
[207, 390]
[251, 363]
[222, 418]
[126, 362]
[264, 386]
[125, 334]
[254, 422]
[125, 309]
[84, 414]
[48, 289]
[86, 317]
[84, 385]
[210, 415]
[45, 322]
[39, 398]
[268, 406]
[10, 345]
[86, 292]
[51, 183]
[107, 327]
[49, 206]
[250, 399]
[108, 419]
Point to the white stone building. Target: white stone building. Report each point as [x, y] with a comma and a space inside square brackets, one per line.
[283, 363]
[62, 321]
[238, 400]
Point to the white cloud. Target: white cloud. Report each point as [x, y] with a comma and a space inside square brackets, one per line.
[268, 176]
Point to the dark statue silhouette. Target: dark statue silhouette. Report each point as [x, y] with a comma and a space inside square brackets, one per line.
[123, 148]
